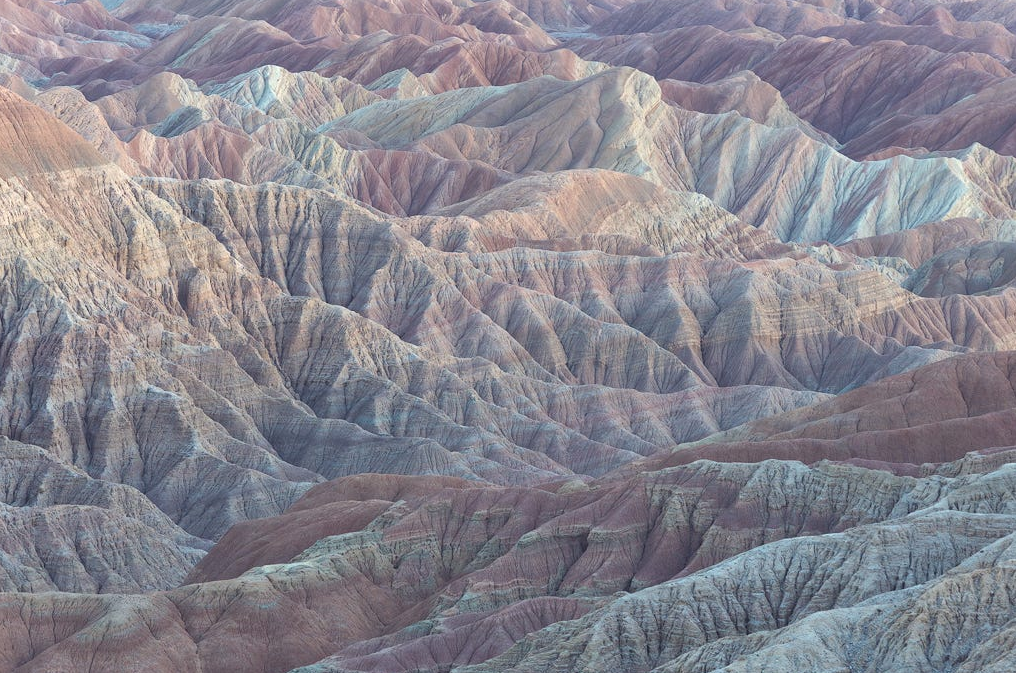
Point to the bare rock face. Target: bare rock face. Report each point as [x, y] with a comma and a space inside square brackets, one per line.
[66, 531]
[904, 423]
[35, 143]
[978, 268]
[444, 565]
[509, 335]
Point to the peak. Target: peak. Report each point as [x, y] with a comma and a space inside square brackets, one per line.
[32, 141]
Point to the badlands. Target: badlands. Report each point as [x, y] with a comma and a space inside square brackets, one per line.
[474, 336]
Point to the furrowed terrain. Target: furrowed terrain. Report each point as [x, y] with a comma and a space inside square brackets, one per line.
[485, 335]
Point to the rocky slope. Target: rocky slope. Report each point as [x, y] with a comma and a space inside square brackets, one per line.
[528, 335]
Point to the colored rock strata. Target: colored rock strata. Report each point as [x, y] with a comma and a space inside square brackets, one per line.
[507, 335]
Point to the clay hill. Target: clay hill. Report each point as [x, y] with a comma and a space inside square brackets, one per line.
[470, 336]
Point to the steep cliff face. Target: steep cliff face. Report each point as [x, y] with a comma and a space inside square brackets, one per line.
[528, 335]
